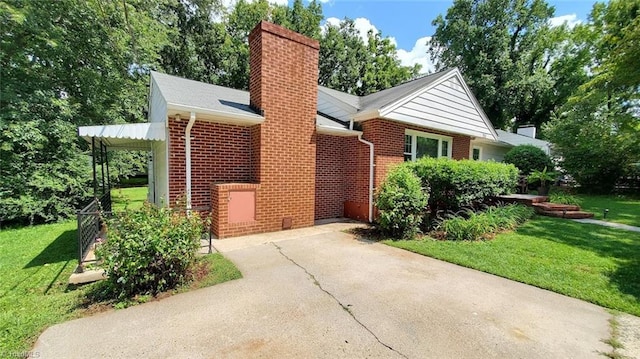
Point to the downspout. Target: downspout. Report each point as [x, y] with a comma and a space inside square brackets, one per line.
[370, 175]
[187, 150]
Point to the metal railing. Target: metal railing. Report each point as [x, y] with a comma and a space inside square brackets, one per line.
[90, 221]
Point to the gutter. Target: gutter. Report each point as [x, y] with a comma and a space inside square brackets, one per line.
[187, 150]
[371, 165]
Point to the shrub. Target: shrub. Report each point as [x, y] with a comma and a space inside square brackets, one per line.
[457, 184]
[528, 158]
[401, 202]
[149, 250]
[564, 198]
[480, 225]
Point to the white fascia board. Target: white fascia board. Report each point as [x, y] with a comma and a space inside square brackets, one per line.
[488, 141]
[447, 129]
[215, 116]
[336, 131]
[367, 115]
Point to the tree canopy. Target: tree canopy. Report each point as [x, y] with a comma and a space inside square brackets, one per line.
[349, 64]
[70, 63]
[64, 64]
[596, 133]
[519, 66]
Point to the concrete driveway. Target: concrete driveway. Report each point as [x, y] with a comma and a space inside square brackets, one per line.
[320, 292]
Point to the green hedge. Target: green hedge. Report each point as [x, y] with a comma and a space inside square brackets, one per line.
[401, 202]
[528, 158]
[456, 184]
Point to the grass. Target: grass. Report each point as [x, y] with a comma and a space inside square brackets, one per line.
[132, 198]
[35, 264]
[622, 209]
[589, 262]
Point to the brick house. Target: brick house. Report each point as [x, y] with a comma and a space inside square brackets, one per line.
[290, 152]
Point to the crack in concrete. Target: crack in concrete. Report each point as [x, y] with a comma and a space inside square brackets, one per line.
[344, 307]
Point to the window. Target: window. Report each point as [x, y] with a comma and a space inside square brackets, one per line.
[475, 155]
[420, 144]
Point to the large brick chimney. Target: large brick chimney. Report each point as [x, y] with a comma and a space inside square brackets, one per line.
[284, 86]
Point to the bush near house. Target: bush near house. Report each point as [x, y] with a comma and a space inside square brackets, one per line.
[528, 158]
[457, 184]
[149, 250]
[401, 202]
[482, 225]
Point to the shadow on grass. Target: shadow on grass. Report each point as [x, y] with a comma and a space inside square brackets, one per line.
[64, 248]
[622, 246]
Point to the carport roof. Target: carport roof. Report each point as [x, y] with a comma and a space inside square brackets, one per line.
[130, 136]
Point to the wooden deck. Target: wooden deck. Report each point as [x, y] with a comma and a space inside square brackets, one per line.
[545, 208]
[526, 199]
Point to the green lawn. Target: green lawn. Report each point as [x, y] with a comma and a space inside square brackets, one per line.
[594, 263]
[622, 209]
[132, 198]
[35, 264]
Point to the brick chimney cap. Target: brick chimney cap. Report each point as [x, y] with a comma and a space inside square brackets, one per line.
[265, 26]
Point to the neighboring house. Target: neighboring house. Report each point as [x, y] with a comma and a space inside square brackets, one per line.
[290, 152]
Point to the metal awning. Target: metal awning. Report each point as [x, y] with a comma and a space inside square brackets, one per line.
[130, 136]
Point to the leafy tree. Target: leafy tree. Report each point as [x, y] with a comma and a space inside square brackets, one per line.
[64, 64]
[519, 67]
[216, 50]
[596, 134]
[341, 56]
[620, 24]
[359, 67]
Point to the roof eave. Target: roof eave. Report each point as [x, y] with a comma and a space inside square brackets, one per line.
[215, 116]
[367, 115]
[336, 131]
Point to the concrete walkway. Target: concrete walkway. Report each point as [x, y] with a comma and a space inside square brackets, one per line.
[626, 227]
[321, 293]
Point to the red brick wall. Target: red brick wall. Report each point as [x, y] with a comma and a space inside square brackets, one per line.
[219, 153]
[220, 206]
[284, 77]
[330, 177]
[356, 164]
[388, 138]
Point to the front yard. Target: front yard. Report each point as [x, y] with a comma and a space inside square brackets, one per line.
[589, 262]
[622, 209]
[35, 264]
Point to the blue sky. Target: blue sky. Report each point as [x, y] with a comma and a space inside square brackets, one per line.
[408, 22]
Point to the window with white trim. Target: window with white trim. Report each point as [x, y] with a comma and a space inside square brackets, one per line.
[420, 144]
[476, 153]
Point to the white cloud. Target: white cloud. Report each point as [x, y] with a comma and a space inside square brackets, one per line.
[418, 55]
[363, 25]
[570, 19]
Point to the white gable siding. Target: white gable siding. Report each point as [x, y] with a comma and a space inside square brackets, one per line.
[334, 108]
[157, 104]
[446, 107]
